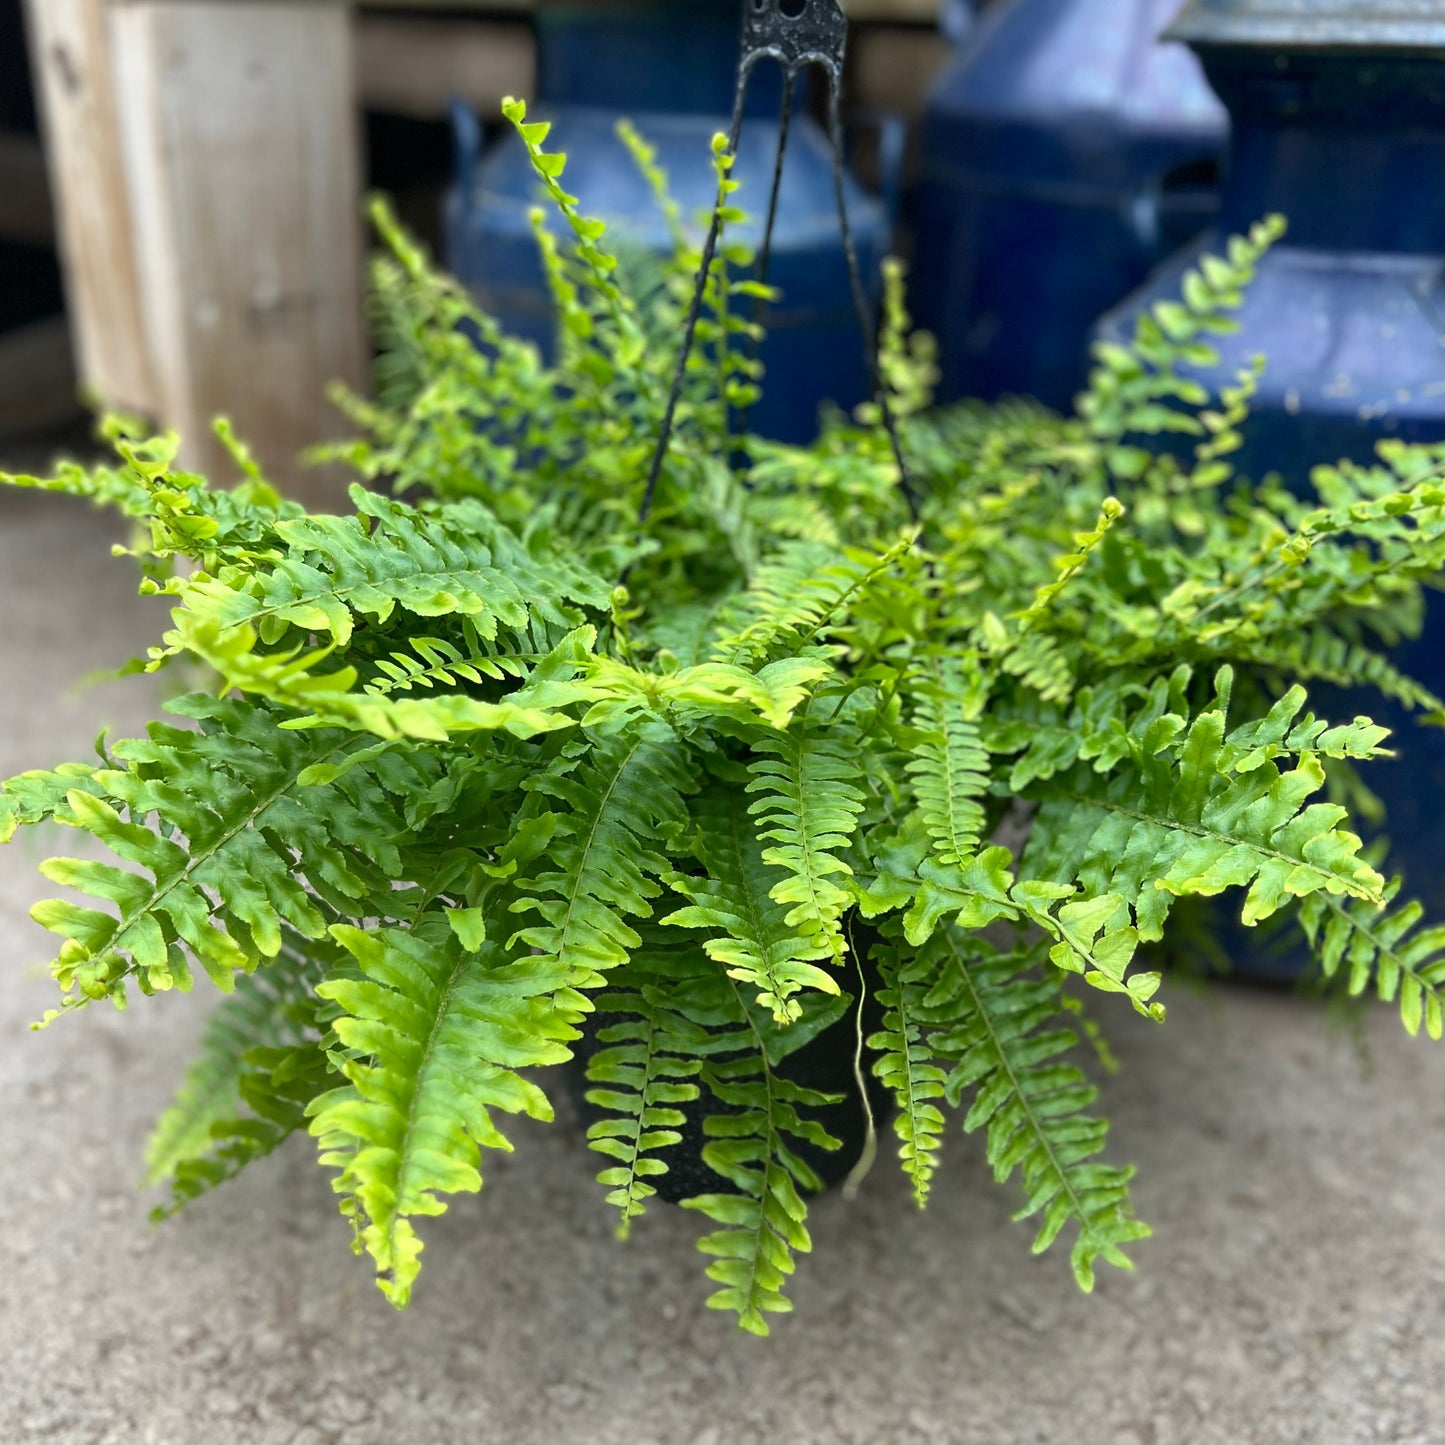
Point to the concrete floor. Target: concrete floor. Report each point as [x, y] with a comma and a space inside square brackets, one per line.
[1295, 1289]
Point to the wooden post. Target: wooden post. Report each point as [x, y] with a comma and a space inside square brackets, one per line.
[75, 82]
[205, 155]
[241, 144]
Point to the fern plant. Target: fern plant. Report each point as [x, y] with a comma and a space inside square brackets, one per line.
[489, 777]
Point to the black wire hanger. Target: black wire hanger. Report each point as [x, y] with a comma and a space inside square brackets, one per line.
[798, 34]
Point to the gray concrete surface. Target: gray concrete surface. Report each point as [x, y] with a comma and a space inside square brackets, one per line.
[1294, 1292]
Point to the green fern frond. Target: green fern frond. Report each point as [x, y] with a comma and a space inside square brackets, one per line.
[586, 230]
[764, 1223]
[794, 596]
[1390, 948]
[261, 1014]
[649, 1058]
[277, 1087]
[245, 837]
[438, 1032]
[1068, 567]
[606, 804]
[1138, 388]
[704, 694]
[1006, 1030]
[1320, 655]
[735, 903]
[948, 766]
[753, 1146]
[906, 1062]
[1184, 818]
[449, 561]
[806, 801]
[437, 662]
[1039, 662]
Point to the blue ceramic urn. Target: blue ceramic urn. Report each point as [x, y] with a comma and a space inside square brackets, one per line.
[1066, 152]
[669, 66]
[1338, 111]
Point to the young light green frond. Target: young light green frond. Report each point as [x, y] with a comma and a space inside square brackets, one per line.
[794, 597]
[267, 1011]
[1094, 937]
[735, 903]
[948, 767]
[1069, 566]
[182, 514]
[705, 692]
[1390, 948]
[1138, 388]
[246, 850]
[644, 157]
[972, 893]
[607, 805]
[587, 231]
[1004, 1026]
[437, 1033]
[332, 699]
[806, 801]
[907, 359]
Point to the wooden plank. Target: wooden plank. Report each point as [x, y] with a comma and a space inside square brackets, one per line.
[921, 12]
[414, 66]
[241, 148]
[893, 67]
[37, 379]
[71, 63]
[26, 214]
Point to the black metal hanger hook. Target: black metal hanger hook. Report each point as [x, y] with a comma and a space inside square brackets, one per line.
[796, 33]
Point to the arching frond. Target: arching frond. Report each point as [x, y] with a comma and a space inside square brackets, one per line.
[1000, 1019]
[1389, 949]
[438, 1032]
[247, 851]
